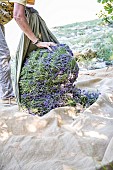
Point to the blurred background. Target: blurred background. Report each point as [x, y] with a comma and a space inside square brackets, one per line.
[56, 13]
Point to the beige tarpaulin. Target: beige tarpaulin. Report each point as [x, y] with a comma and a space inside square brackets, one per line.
[62, 139]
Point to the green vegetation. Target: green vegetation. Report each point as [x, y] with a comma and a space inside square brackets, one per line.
[91, 35]
[107, 13]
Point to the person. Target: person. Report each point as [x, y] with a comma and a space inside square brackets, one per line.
[13, 9]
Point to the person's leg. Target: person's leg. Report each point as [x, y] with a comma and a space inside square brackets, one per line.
[5, 69]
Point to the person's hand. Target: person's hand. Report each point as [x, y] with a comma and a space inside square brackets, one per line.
[45, 45]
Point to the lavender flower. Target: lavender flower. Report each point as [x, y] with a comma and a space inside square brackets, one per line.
[47, 78]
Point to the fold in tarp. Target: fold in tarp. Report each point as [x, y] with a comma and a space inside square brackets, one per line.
[62, 139]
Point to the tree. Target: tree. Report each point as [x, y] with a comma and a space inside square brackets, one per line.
[107, 14]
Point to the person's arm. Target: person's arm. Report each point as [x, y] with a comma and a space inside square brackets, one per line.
[20, 18]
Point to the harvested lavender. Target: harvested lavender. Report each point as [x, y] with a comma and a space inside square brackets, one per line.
[85, 97]
[47, 78]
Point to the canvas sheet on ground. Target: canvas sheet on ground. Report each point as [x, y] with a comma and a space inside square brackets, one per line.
[61, 139]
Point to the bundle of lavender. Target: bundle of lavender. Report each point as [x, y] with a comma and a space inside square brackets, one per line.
[47, 78]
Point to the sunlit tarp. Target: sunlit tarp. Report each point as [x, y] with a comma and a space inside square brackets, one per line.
[62, 139]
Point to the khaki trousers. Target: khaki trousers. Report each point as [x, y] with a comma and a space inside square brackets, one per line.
[5, 68]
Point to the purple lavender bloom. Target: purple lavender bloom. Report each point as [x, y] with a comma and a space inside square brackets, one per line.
[48, 79]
